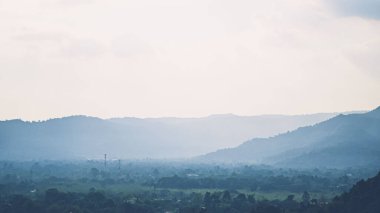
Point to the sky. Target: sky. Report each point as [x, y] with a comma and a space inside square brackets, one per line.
[187, 58]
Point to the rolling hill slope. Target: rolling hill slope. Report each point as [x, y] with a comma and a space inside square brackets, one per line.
[342, 141]
[88, 137]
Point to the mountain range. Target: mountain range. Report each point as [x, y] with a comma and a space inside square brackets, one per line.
[343, 141]
[81, 137]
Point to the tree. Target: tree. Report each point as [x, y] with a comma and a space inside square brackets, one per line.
[305, 198]
[226, 196]
[94, 172]
[207, 199]
[251, 198]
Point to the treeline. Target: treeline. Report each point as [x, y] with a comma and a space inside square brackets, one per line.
[273, 183]
[363, 197]
[162, 187]
[55, 201]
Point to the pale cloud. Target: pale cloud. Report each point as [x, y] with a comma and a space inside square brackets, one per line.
[184, 58]
[130, 45]
[65, 4]
[39, 37]
[81, 48]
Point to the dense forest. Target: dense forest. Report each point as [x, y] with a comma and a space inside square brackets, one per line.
[150, 186]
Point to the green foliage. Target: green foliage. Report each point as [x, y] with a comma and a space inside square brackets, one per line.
[158, 187]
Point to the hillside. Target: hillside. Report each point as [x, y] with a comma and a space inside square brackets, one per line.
[363, 197]
[89, 137]
[343, 141]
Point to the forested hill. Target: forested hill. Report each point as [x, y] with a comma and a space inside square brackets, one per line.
[364, 197]
[89, 137]
[343, 141]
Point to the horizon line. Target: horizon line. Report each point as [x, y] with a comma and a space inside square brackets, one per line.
[187, 117]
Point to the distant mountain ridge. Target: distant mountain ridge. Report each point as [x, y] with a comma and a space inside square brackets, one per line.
[342, 141]
[90, 137]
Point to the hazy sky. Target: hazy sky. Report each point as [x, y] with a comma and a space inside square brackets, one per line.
[151, 58]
